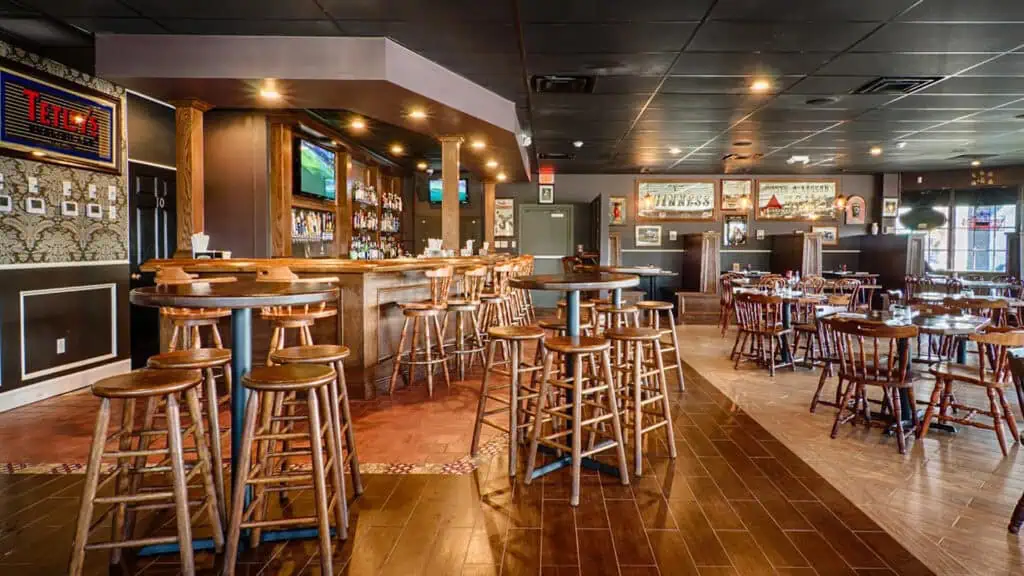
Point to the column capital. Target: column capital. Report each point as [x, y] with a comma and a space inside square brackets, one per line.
[451, 139]
[194, 103]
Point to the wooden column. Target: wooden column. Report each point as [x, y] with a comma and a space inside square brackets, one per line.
[343, 214]
[450, 192]
[489, 213]
[188, 145]
[280, 190]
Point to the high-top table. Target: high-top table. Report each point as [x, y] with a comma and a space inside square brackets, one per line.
[572, 284]
[652, 273]
[241, 297]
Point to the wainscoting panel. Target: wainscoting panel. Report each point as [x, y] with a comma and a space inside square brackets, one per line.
[83, 318]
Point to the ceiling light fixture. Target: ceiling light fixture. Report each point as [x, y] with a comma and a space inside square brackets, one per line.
[501, 177]
[417, 114]
[901, 145]
[798, 159]
[675, 151]
[527, 140]
[421, 165]
[492, 164]
[760, 86]
[397, 149]
[478, 145]
[578, 144]
[975, 163]
[268, 91]
[876, 151]
[357, 124]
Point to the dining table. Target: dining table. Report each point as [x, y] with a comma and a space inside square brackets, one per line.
[651, 273]
[240, 297]
[572, 284]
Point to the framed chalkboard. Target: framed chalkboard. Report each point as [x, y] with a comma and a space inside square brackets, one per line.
[676, 200]
[797, 200]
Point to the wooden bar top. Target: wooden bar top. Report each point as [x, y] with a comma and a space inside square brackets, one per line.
[320, 265]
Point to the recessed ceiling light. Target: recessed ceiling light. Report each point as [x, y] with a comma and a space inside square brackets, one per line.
[760, 85]
[578, 144]
[492, 163]
[798, 159]
[417, 114]
[334, 142]
[357, 124]
[478, 144]
[975, 163]
[501, 177]
[397, 149]
[675, 151]
[876, 151]
[526, 139]
[901, 145]
[269, 93]
[421, 165]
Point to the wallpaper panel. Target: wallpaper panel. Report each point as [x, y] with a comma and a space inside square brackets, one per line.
[53, 237]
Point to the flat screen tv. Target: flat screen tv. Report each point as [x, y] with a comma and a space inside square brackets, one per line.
[314, 168]
[435, 191]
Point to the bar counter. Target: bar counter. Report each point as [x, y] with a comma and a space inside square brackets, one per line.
[369, 321]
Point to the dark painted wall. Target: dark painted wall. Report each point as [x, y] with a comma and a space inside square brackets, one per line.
[150, 131]
[426, 217]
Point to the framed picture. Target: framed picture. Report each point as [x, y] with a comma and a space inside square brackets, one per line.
[617, 211]
[759, 234]
[546, 194]
[648, 235]
[890, 207]
[736, 195]
[829, 234]
[504, 217]
[855, 210]
[676, 200]
[735, 230]
[797, 200]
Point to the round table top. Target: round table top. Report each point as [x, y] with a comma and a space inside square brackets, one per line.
[942, 297]
[944, 324]
[637, 270]
[577, 281]
[241, 294]
[982, 284]
[786, 294]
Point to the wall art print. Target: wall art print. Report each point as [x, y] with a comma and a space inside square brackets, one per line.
[504, 217]
[675, 200]
[796, 200]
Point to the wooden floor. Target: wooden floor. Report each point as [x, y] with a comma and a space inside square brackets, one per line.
[735, 501]
[947, 500]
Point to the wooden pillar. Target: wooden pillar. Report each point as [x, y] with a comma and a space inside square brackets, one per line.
[280, 190]
[189, 196]
[343, 213]
[450, 192]
[489, 213]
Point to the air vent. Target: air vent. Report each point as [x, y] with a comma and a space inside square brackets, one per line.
[897, 85]
[821, 101]
[556, 156]
[557, 84]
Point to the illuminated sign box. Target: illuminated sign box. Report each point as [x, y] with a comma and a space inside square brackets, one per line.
[74, 126]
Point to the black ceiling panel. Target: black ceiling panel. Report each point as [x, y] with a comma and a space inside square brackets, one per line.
[612, 10]
[925, 37]
[777, 36]
[810, 10]
[947, 101]
[78, 8]
[888, 64]
[967, 11]
[607, 64]
[118, 25]
[212, 9]
[828, 85]
[749, 64]
[286, 27]
[716, 84]
[1008, 64]
[413, 10]
[990, 85]
[603, 38]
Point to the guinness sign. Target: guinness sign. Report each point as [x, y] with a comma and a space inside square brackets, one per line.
[60, 124]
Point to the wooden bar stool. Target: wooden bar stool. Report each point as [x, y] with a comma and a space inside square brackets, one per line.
[466, 310]
[644, 383]
[425, 317]
[262, 443]
[133, 451]
[284, 318]
[205, 359]
[653, 311]
[569, 408]
[522, 396]
[186, 322]
[496, 310]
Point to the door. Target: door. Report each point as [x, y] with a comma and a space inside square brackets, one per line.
[152, 234]
[545, 232]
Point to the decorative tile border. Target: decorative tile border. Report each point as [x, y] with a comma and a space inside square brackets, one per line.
[464, 465]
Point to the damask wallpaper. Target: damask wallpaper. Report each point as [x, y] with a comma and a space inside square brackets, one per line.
[52, 237]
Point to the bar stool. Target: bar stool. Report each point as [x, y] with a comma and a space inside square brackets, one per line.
[617, 317]
[132, 453]
[260, 442]
[204, 359]
[654, 310]
[186, 322]
[466, 310]
[284, 318]
[637, 390]
[496, 310]
[577, 387]
[521, 396]
[424, 316]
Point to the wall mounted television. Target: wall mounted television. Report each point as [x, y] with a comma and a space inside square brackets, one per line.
[314, 170]
[435, 191]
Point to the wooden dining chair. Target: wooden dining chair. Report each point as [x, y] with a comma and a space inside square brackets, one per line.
[872, 353]
[993, 309]
[772, 282]
[811, 284]
[954, 285]
[992, 372]
[759, 318]
[725, 301]
[850, 288]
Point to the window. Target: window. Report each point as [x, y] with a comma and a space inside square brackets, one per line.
[936, 250]
[979, 235]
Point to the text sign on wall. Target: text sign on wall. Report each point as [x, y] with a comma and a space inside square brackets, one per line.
[796, 200]
[36, 116]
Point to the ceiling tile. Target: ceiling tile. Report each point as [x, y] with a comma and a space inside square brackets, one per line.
[889, 64]
[924, 37]
[601, 38]
[203, 9]
[78, 8]
[622, 64]
[809, 10]
[1007, 64]
[986, 85]
[748, 64]
[828, 85]
[969, 11]
[289, 27]
[118, 25]
[777, 36]
[612, 11]
[948, 101]
[716, 84]
[414, 10]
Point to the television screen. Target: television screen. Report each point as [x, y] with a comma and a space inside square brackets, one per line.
[435, 191]
[316, 170]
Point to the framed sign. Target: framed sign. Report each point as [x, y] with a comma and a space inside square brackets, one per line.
[735, 230]
[736, 195]
[617, 211]
[890, 207]
[546, 194]
[675, 200]
[829, 234]
[797, 200]
[52, 121]
[504, 217]
[648, 236]
[855, 210]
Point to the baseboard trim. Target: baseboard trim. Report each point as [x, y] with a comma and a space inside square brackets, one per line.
[61, 385]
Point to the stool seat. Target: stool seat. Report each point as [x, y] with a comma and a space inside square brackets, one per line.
[627, 309]
[195, 313]
[515, 332]
[490, 296]
[653, 305]
[552, 325]
[146, 382]
[598, 301]
[288, 377]
[313, 354]
[300, 315]
[463, 305]
[576, 344]
[584, 305]
[193, 358]
[421, 309]
[633, 334]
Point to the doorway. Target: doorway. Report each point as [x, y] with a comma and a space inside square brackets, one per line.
[545, 232]
[152, 233]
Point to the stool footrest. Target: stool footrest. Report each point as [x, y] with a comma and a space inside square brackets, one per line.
[132, 543]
